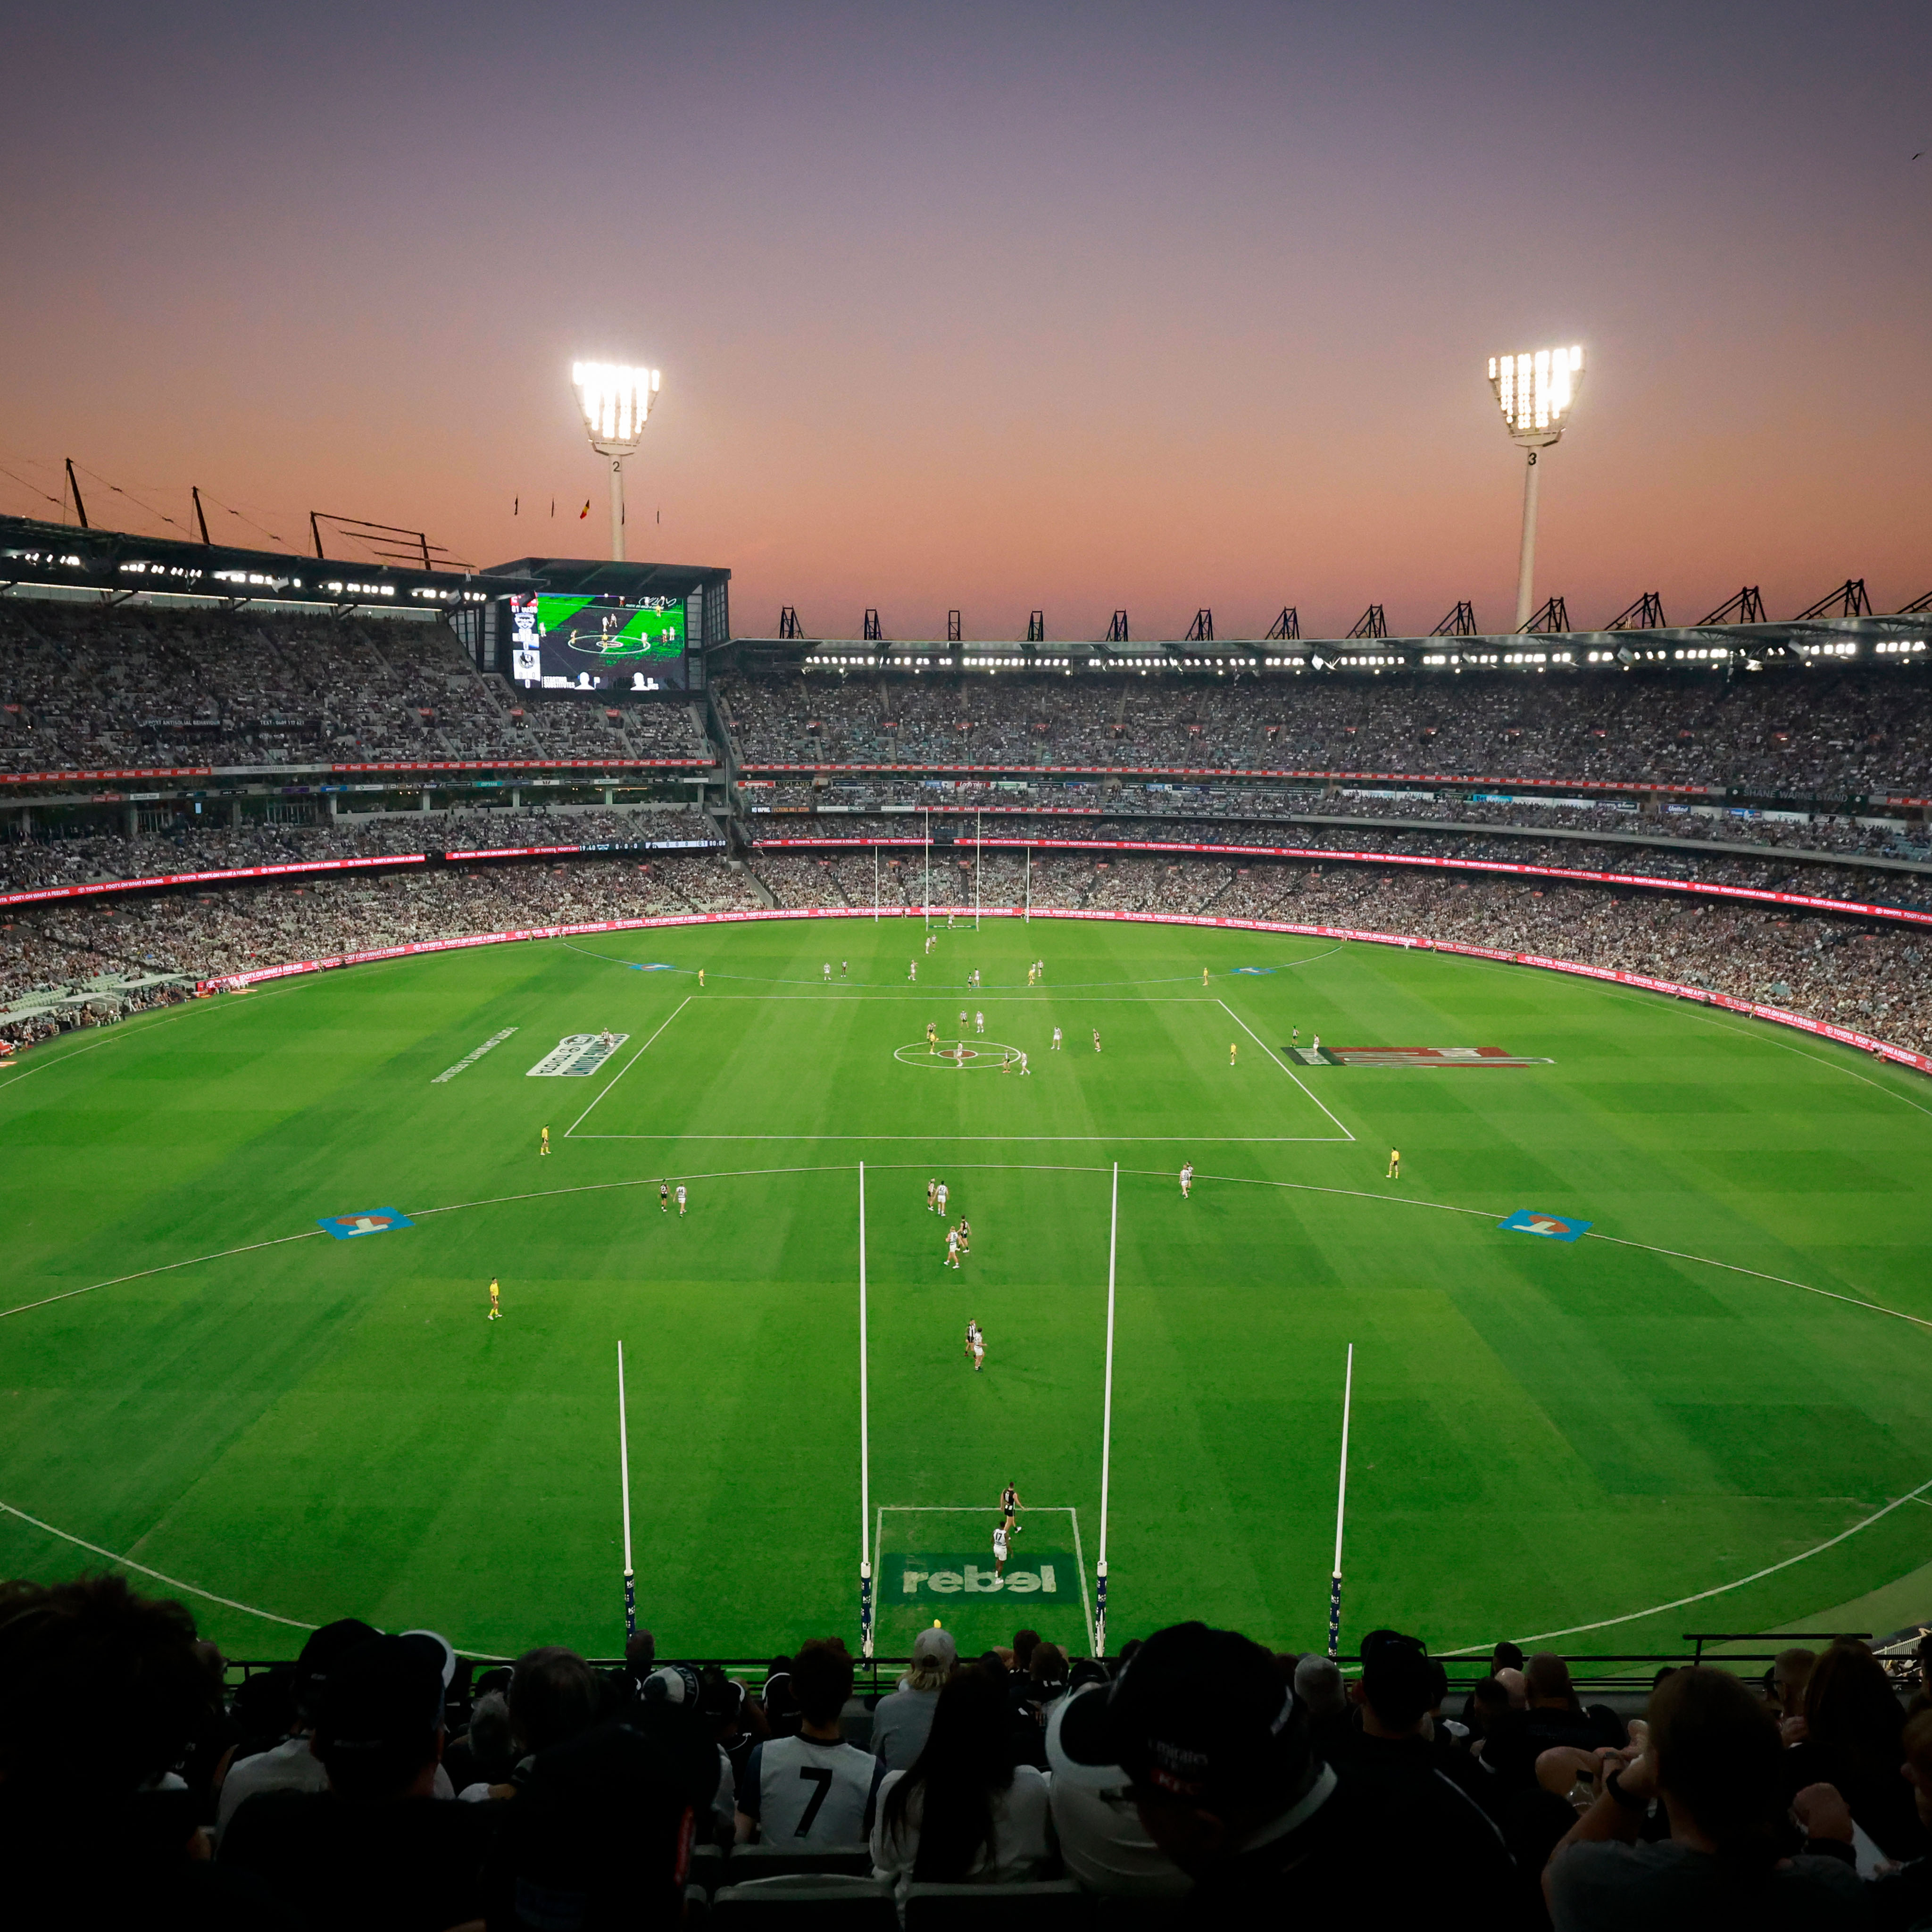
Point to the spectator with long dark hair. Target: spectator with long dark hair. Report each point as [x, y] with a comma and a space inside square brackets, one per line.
[1853, 1726]
[965, 1812]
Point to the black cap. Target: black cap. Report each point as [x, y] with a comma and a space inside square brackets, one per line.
[1198, 1713]
[1397, 1679]
[325, 1649]
[382, 1705]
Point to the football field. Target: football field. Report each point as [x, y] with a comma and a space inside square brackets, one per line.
[1712, 1412]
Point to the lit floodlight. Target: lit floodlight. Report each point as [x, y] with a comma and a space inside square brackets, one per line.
[1535, 390]
[615, 401]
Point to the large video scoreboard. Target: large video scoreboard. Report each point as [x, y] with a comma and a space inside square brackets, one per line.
[606, 643]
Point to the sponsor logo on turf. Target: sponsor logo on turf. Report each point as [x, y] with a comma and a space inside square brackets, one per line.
[576, 1054]
[1414, 1056]
[925, 1576]
[1551, 1227]
[470, 1058]
[376, 1221]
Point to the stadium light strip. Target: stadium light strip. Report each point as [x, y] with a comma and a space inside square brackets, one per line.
[1509, 868]
[1779, 1015]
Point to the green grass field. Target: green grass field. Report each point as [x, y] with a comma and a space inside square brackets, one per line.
[195, 1379]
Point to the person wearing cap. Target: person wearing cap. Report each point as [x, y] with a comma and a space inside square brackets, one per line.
[374, 1849]
[1392, 1765]
[903, 1718]
[291, 1765]
[1220, 1771]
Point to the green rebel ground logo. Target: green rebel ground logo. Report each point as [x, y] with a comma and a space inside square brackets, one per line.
[1046, 1574]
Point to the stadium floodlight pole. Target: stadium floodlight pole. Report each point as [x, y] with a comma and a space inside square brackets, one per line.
[616, 400]
[1341, 1503]
[624, 1468]
[865, 1448]
[1106, 1430]
[1535, 390]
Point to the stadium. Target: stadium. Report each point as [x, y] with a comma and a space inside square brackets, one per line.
[677, 1258]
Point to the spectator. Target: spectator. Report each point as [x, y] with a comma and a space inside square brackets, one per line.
[1922, 1691]
[485, 1755]
[1713, 1759]
[292, 1765]
[1324, 1697]
[1025, 1642]
[904, 1716]
[1225, 1781]
[1394, 1767]
[1853, 1725]
[814, 1789]
[376, 1849]
[1032, 1693]
[963, 1811]
[1102, 1842]
[100, 1692]
[1790, 1671]
[554, 1696]
[1903, 1898]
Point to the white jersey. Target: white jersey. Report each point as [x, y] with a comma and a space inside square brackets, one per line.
[801, 1792]
[680, 1196]
[940, 1196]
[978, 1022]
[999, 1545]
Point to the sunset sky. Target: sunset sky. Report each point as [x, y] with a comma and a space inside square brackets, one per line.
[1058, 306]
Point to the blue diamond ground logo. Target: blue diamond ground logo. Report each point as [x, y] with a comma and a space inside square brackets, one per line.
[1551, 1227]
[375, 1221]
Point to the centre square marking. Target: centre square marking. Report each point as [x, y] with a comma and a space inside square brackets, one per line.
[957, 1056]
[1043, 1573]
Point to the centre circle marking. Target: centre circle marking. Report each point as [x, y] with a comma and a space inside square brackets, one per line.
[956, 1056]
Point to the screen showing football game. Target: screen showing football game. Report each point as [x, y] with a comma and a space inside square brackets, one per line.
[597, 643]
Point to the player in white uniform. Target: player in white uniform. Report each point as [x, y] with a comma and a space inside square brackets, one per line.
[1056, 1039]
[978, 1022]
[828, 972]
[1187, 1180]
[951, 1260]
[999, 1548]
[680, 1200]
[939, 1194]
[1096, 1040]
[1024, 1067]
[912, 969]
[979, 1347]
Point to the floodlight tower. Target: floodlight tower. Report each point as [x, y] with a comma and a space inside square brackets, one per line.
[1536, 390]
[617, 402]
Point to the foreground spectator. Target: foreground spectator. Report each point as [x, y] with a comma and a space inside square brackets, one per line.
[905, 1717]
[376, 1849]
[814, 1789]
[1224, 1779]
[1851, 1739]
[1714, 1760]
[1102, 1842]
[292, 1765]
[963, 1812]
[100, 1691]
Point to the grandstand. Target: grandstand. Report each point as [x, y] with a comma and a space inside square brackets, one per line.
[1681, 880]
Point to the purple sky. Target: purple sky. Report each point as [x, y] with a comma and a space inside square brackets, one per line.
[999, 308]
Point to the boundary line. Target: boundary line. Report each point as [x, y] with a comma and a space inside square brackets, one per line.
[1716, 1590]
[1277, 1059]
[159, 1576]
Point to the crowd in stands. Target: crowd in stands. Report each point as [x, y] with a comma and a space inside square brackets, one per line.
[85, 687]
[205, 844]
[1789, 730]
[1198, 1781]
[996, 800]
[1828, 968]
